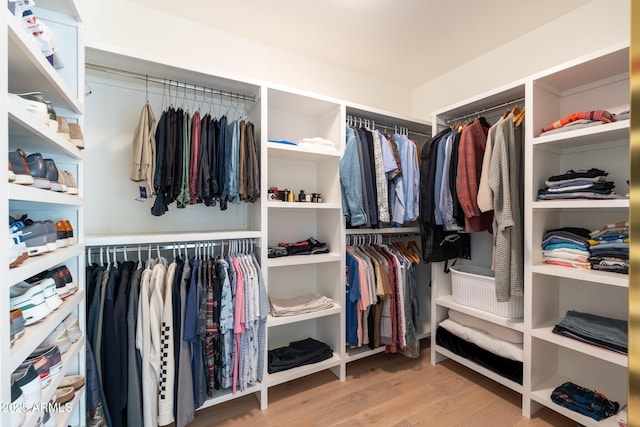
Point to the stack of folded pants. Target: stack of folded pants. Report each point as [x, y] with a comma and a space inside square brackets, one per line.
[604, 332]
[306, 303]
[298, 353]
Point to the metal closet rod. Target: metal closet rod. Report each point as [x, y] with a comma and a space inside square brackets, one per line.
[170, 246]
[169, 82]
[378, 125]
[484, 110]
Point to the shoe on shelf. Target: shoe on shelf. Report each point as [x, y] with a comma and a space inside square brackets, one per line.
[73, 327]
[52, 235]
[64, 395]
[18, 322]
[17, 400]
[18, 251]
[35, 237]
[11, 176]
[76, 137]
[62, 180]
[52, 175]
[59, 337]
[30, 299]
[34, 103]
[53, 117]
[52, 353]
[38, 171]
[29, 382]
[62, 289]
[18, 162]
[68, 278]
[62, 240]
[63, 128]
[72, 240]
[71, 183]
[48, 285]
[73, 381]
[42, 365]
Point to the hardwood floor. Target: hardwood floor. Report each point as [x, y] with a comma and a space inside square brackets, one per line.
[384, 390]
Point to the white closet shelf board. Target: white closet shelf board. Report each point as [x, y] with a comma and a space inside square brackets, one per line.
[303, 259]
[303, 205]
[300, 103]
[286, 320]
[301, 371]
[31, 194]
[65, 7]
[164, 68]
[582, 139]
[36, 333]
[583, 72]
[302, 152]
[498, 96]
[221, 396]
[27, 65]
[580, 204]
[28, 133]
[448, 301]
[37, 264]
[63, 416]
[484, 371]
[393, 230]
[354, 354]
[604, 277]
[47, 392]
[544, 332]
[167, 238]
[542, 394]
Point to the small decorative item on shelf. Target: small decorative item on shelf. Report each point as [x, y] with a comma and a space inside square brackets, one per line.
[302, 197]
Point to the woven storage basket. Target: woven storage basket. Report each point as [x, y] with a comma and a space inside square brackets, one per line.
[475, 286]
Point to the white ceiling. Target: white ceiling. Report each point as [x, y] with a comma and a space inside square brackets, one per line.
[405, 42]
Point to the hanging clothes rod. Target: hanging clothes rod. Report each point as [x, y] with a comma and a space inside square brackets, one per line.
[378, 125]
[170, 246]
[169, 82]
[484, 110]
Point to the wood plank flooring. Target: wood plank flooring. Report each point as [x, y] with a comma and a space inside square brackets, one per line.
[384, 390]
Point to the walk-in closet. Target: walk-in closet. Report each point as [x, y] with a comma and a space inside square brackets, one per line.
[318, 214]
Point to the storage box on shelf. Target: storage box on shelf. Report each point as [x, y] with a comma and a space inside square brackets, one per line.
[595, 82]
[314, 169]
[29, 71]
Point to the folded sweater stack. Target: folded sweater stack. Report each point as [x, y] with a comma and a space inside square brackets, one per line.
[566, 246]
[581, 184]
[609, 248]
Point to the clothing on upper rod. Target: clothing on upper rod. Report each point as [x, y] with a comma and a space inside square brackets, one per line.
[193, 158]
[478, 113]
[379, 178]
[167, 335]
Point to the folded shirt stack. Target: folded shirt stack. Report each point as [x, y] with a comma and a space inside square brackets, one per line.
[581, 184]
[609, 248]
[600, 331]
[307, 303]
[567, 246]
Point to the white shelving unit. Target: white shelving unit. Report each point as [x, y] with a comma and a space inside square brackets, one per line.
[598, 81]
[293, 116]
[29, 71]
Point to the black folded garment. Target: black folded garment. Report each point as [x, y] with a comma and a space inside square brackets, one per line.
[305, 247]
[298, 353]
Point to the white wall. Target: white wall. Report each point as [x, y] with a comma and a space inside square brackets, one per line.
[129, 27]
[599, 24]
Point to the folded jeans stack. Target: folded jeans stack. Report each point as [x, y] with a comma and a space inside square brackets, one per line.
[604, 332]
[609, 248]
